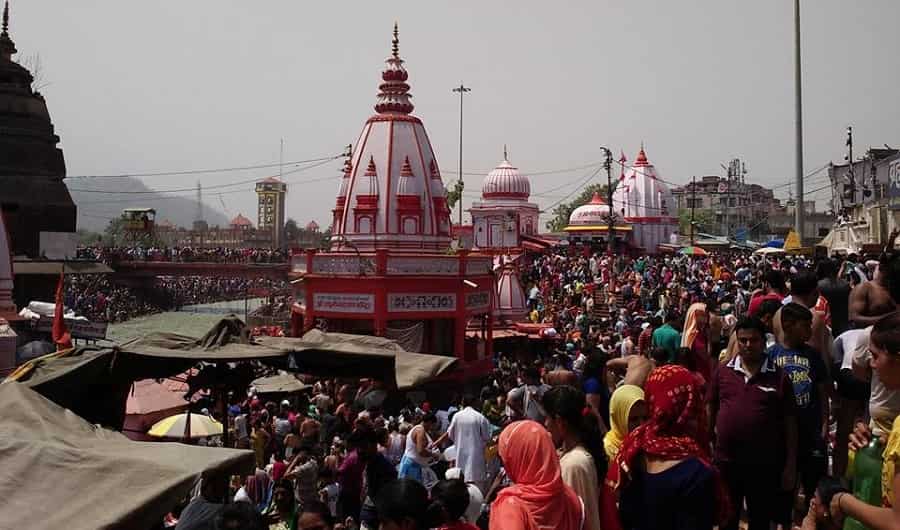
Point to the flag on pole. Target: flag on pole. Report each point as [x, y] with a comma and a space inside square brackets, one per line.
[61, 336]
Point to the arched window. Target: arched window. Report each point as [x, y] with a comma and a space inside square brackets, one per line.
[410, 225]
[364, 225]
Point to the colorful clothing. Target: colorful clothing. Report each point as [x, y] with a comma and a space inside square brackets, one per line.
[890, 456]
[538, 497]
[619, 408]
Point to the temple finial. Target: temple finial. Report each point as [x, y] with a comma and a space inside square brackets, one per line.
[7, 47]
[505, 157]
[395, 43]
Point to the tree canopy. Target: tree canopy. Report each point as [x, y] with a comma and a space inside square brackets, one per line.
[704, 220]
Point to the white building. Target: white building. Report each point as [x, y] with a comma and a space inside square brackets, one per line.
[504, 213]
[645, 203]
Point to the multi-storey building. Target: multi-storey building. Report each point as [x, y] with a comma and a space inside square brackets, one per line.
[737, 206]
[271, 193]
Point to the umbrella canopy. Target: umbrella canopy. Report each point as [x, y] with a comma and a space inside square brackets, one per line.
[281, 383]
[176, 427]
[693, 251]
[775, 243]
[94, 477]
[769, 250]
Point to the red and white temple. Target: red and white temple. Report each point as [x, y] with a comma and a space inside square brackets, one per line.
[504, 214]
[389, 271]
[646, 204]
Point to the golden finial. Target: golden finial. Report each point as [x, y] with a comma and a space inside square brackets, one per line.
[506, 158]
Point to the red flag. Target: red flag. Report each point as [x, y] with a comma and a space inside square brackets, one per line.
[60, 332]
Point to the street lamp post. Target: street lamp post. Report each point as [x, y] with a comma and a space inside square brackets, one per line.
[462, 89]
[799, 214]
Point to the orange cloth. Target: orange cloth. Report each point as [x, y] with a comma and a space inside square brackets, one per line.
[538, 498]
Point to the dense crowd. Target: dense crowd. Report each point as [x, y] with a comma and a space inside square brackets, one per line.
[699, 393]
[101, 300]
[183, 254]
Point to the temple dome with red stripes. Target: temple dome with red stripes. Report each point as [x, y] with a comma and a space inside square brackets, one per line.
[505, 182]
[391, 195]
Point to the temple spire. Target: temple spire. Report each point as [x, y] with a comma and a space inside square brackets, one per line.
[393, 92]
[395, 43]
[505, 157]
[7, 47]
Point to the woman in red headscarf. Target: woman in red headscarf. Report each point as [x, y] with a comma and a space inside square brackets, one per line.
[662, 477]
[538, 498]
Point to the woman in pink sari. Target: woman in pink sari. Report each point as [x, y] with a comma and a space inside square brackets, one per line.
[538, 498]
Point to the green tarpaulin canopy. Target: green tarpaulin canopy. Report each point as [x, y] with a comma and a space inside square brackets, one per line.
[59, 471]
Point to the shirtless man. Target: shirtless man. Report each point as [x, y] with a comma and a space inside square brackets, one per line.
[872, 300]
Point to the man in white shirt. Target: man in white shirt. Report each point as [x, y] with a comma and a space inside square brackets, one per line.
[470, 432]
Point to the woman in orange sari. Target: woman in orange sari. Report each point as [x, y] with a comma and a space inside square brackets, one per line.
[538, 497]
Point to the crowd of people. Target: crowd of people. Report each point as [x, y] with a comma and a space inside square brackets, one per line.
[116, 254]
[717, 392]
[99, 299]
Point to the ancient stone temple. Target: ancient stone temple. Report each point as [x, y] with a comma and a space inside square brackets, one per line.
[34, 198]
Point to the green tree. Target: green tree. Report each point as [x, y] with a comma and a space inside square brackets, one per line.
[114, 233]
[453, 195]
[562, 211]
[291, 231]
[704, 220]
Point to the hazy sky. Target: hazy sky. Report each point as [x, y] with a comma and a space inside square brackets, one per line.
[157, 86]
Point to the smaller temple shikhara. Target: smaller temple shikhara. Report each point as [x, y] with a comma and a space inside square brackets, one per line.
[642, 212]
[390, 271]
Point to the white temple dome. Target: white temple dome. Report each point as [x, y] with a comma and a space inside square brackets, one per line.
[505, 182]
[593, 213]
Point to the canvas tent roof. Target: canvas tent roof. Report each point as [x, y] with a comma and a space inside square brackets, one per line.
[94, 382]
[93, 477]
[343, 354]
[276, 384]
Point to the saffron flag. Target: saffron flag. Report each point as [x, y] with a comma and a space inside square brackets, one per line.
[61, 336]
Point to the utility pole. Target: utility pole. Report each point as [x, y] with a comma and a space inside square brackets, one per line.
[281, 159]
[607, 165]
[693, 205]
[851, 174]
[799, 214]
[462, 89]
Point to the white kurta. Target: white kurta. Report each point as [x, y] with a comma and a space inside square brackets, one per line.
[470, 432]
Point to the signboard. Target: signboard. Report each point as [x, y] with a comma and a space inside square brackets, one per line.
[430, 266]
[343, 265]
[344, 302]
[893, 191]
[479, 300]
[421, 302]
[740, 235]
[80, 329]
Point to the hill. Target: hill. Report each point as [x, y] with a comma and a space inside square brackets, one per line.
[96, 209]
